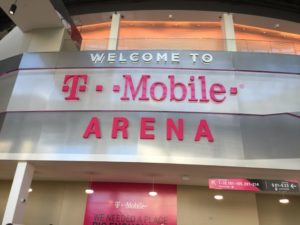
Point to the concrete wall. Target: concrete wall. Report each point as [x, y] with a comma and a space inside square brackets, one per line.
[61, 203]
[41, 40]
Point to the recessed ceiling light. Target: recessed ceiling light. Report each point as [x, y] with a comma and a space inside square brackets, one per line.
[152, 193]
[30, 190]
[89, 191]
[218, 197]
[185, 177]
[277, 25]
[284, 201]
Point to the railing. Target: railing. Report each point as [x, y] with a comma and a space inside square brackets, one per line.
[286, 47]
[291, 48]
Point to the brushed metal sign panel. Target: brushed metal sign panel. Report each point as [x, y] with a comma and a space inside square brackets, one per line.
[221, 60]
[84, 59]
[255, 141]
[265, 93]
[271, 137]
[7, 82]
[2, 116]
[62, 133]
[257, 93]
[267, 62]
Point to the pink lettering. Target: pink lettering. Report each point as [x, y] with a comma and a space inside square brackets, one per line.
[153, 93]
[217, 89]
[75, 87]
[93, 128]
[171, 126]
[179, 86]
[203, 131]
[134, 91]
[147, 125]
[203, 89]
[120, 124]
[147, 128]
[192, 89]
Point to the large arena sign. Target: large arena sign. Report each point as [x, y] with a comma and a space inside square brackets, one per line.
[194, 91]
[187, 107]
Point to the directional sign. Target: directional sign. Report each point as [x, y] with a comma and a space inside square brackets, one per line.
[281, 185]
[257, 185]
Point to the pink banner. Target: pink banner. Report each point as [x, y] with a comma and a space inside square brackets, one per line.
[234, 184]
[130, 204]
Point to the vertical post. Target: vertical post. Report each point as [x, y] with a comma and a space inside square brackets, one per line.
[228, 32]
[18, 194]
[114, 31]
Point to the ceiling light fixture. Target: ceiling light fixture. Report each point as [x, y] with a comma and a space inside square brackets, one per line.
[30, 190]
[218, 197]
[185, 178]
[284, 201]
[13, 8]
[89, 191]
[152, 193]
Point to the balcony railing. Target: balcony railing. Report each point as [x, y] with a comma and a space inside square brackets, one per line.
[287, 47]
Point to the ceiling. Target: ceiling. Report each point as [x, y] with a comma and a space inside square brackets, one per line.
[189, 15]
[279, 9]
[142, 172]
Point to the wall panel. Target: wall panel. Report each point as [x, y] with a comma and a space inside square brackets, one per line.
[271, 212]
[197, 206]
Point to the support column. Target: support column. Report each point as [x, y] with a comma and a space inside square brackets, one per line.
[228, 32]
[18, 194]
[114, 31]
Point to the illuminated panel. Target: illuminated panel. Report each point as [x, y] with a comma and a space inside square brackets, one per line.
[95, 36]
[170, 35]
[255, 39]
